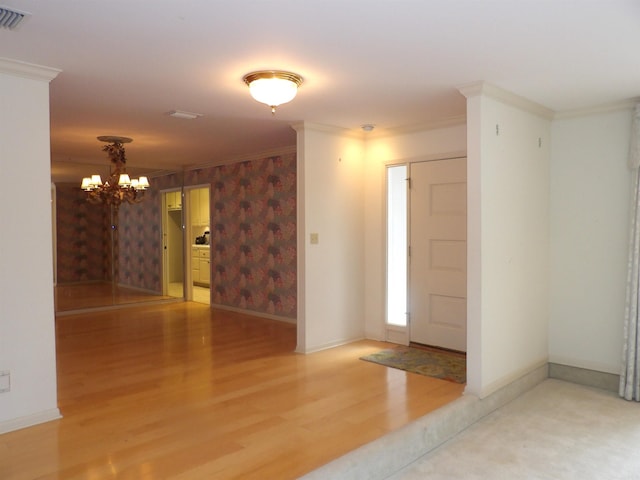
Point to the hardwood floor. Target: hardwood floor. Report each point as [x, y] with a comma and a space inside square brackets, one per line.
[181, 391]
[78, 296]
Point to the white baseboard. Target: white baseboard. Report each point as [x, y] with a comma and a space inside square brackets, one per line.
[254, 313]
[584, 376]
[508, 379]
[29, 420]
[326, 346]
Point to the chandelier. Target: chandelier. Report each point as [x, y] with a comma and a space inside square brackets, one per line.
[273, 87]
[119, 187]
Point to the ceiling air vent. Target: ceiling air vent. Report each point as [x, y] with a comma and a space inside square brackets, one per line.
[11, 18]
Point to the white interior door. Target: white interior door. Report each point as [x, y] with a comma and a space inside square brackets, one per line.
[438, 254]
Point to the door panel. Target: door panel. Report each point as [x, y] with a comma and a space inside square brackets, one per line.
[438, 262]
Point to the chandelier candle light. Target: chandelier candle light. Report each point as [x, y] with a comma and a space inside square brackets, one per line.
[119, 187]
[273, 87]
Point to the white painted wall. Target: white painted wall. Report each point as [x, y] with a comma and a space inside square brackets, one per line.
[508, 237]
[426, 144]
[27, 328]
[330, 204]
[590, 188]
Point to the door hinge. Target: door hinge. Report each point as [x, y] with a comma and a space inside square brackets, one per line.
[409, 251]
[408, 179]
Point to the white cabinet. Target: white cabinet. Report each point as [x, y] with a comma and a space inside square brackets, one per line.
[174, 200]
[205, 268]
[199, 206]
[200, 265]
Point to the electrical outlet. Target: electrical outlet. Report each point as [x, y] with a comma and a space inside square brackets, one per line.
[313, 238]
[5, 381]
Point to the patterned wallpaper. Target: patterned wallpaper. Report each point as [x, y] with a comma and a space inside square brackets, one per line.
[253, 229]
[82, 246]
[140, 243]
[253, 212]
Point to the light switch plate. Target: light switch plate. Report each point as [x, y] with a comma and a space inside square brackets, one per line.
[313, 238]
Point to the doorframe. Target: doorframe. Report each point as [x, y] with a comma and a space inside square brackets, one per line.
[54, 232]
[398, 333]
[186, 228]
[165, 254]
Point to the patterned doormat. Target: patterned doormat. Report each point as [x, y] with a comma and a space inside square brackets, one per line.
[438, 364]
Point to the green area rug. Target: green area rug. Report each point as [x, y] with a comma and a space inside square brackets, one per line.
[444, 365]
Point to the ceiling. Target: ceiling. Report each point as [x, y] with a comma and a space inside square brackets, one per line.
[392, 63]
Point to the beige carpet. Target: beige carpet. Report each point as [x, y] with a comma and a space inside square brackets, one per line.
[556, 431]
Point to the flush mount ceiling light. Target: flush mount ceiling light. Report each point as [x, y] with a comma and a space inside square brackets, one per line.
[273, 87]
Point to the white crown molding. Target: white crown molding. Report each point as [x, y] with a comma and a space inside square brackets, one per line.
[380, 132]
[245, 158]
[420, 127]
[484, 88]
[27, 70]
[319, 127]
[628, 104]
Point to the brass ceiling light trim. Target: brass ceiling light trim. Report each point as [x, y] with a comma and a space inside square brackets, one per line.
[273, 87]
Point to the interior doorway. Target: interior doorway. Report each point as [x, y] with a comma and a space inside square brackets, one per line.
[426, 253]
[198, 234]
[172, 244]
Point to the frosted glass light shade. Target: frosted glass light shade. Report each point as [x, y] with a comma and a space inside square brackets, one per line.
[273, 87]
[273, 91]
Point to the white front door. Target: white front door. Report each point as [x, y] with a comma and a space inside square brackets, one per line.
[438, 254]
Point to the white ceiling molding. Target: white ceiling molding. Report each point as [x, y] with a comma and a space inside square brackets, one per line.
[245, 158]
[628, 104]
[485, 88]
[421, 127]
[27, 70]
[319, 127]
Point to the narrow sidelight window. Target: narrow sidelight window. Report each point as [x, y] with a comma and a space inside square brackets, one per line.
[397, 245]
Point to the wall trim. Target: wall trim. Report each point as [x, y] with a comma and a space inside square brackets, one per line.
[27, 70]
[244, 158]
[254, 313]
[584, 364]
[30, 420]
[584, 376]
[425, 158]
[326, 346]
[381, 132]
[120, 306]
[487, 89]
[509, 379]
[331, 129]
[628, 104]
